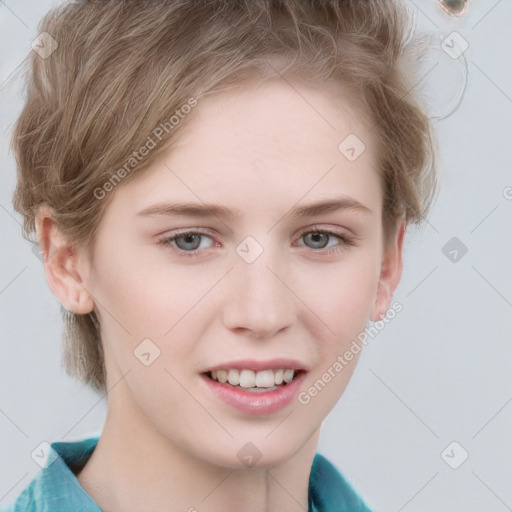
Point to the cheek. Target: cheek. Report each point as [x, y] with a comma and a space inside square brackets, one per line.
[166, 304]
[344, 305]
[147, 299]
[341, 296]
[343, 308]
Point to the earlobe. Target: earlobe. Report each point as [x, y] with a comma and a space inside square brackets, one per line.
[62, 265]
[382, 302]
[391, 272]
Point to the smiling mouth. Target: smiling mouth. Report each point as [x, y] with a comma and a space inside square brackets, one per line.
[256, 381]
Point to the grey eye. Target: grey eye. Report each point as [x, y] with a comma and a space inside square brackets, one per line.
[317, 237]
[188, 239]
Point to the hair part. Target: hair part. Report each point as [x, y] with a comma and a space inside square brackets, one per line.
[123, 68]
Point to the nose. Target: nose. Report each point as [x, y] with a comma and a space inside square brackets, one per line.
[259, 298]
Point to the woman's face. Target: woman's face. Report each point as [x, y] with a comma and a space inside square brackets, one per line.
[254, 245]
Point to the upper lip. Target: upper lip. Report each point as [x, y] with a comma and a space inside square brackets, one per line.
[257, 365]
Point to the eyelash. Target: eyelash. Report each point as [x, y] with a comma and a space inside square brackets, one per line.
[346, 241]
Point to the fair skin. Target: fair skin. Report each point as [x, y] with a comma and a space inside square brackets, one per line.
[168, 442]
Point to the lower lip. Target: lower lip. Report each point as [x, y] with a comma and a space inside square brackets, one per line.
[255, 402]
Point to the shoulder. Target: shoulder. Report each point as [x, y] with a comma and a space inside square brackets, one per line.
[330, 491]
[55, 488]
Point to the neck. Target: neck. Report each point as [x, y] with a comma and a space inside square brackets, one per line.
[134, 467]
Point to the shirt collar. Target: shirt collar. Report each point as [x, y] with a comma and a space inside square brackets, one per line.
[57, 487]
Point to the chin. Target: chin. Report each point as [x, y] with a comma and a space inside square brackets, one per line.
[254, 461]
[259, 453]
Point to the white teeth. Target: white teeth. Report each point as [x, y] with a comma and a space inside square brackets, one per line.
[265, 379]
[248, 379]
[222, 376]
[288, 375]
[234, 377]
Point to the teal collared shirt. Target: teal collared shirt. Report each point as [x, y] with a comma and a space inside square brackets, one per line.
[56, 488]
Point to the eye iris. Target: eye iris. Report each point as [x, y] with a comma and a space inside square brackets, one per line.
[318, 237]
[193, 239]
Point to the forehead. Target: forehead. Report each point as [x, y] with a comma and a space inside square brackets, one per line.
[296, 116]
[263, 145]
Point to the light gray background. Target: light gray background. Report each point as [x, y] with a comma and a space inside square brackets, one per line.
[439, 372]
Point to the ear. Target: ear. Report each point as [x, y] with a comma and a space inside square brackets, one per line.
[391, 272]
[63, 266]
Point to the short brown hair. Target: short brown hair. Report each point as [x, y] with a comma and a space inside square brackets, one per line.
[124, 67]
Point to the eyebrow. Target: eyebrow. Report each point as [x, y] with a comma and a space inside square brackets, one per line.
[175, 209]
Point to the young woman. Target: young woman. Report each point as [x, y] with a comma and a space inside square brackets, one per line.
[220, 191]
